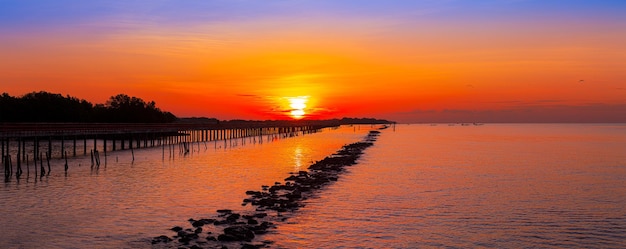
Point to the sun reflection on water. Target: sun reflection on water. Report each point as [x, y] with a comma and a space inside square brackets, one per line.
[297, 158]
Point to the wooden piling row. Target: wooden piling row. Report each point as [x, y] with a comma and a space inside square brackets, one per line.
[17, 141]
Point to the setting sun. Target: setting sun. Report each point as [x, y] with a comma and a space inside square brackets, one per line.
[298, 104]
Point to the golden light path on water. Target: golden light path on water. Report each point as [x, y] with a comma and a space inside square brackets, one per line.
[125, 202]
[419, 186]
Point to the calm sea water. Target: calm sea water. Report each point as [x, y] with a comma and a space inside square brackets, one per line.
[491, 186]
[420, 186]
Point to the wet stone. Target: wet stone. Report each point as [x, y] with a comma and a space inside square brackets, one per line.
[225, 211]
[198, 223]
[207, 221]
[233, 217]
[260, 215]
[161, 239]
[252, 246]
[252, 222]
[237, 233]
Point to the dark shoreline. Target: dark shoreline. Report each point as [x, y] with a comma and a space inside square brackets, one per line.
[273, 205]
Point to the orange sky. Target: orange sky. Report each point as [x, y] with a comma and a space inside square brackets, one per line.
[397, 63]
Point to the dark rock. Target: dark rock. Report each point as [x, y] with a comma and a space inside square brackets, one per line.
[291, 178]
[262, 228]
[195, 247]
[211, 238]
[252, 222]
[296, 194]
[251, 246]
[207, 221]
[198, 223]
[238, 233]
[260, 215]
[182, 233]
[225, 211]
[233, 217]
[226, 237]
[161, 239]
[253, 193]
[176, 229]
[184, 240]
[198, 230]
[185, 236]
[220, 222]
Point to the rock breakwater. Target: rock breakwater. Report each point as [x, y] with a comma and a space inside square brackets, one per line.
[272, 205]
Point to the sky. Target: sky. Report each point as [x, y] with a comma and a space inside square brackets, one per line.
[407, 61]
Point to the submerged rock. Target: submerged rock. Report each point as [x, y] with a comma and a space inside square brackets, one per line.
[197, 223]
[224, 211]
[161, 239]
[252, 246]
[239, 233]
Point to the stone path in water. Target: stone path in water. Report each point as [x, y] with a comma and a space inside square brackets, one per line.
[233, 230]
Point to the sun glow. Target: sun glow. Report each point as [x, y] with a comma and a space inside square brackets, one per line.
[298, 105]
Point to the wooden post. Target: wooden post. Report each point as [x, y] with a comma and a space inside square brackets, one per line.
[66, 167]
[131, 148]
[48, 161]
[62, 146]
[27, 167]
[35, 165]
[42, 170]
[2, 151]
[74, 146]
[24, 149]
[49, 147]
[19, 162]
[35, 152]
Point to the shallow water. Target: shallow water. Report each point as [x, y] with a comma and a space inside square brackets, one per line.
[420, 186]
[126, 203]
[491, 186]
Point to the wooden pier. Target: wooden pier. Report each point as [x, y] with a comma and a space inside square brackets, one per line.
[21, 142]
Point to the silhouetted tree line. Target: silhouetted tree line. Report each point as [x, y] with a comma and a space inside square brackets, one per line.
[50, 107]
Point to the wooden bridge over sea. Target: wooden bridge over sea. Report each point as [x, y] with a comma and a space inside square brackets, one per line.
[21, 142]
